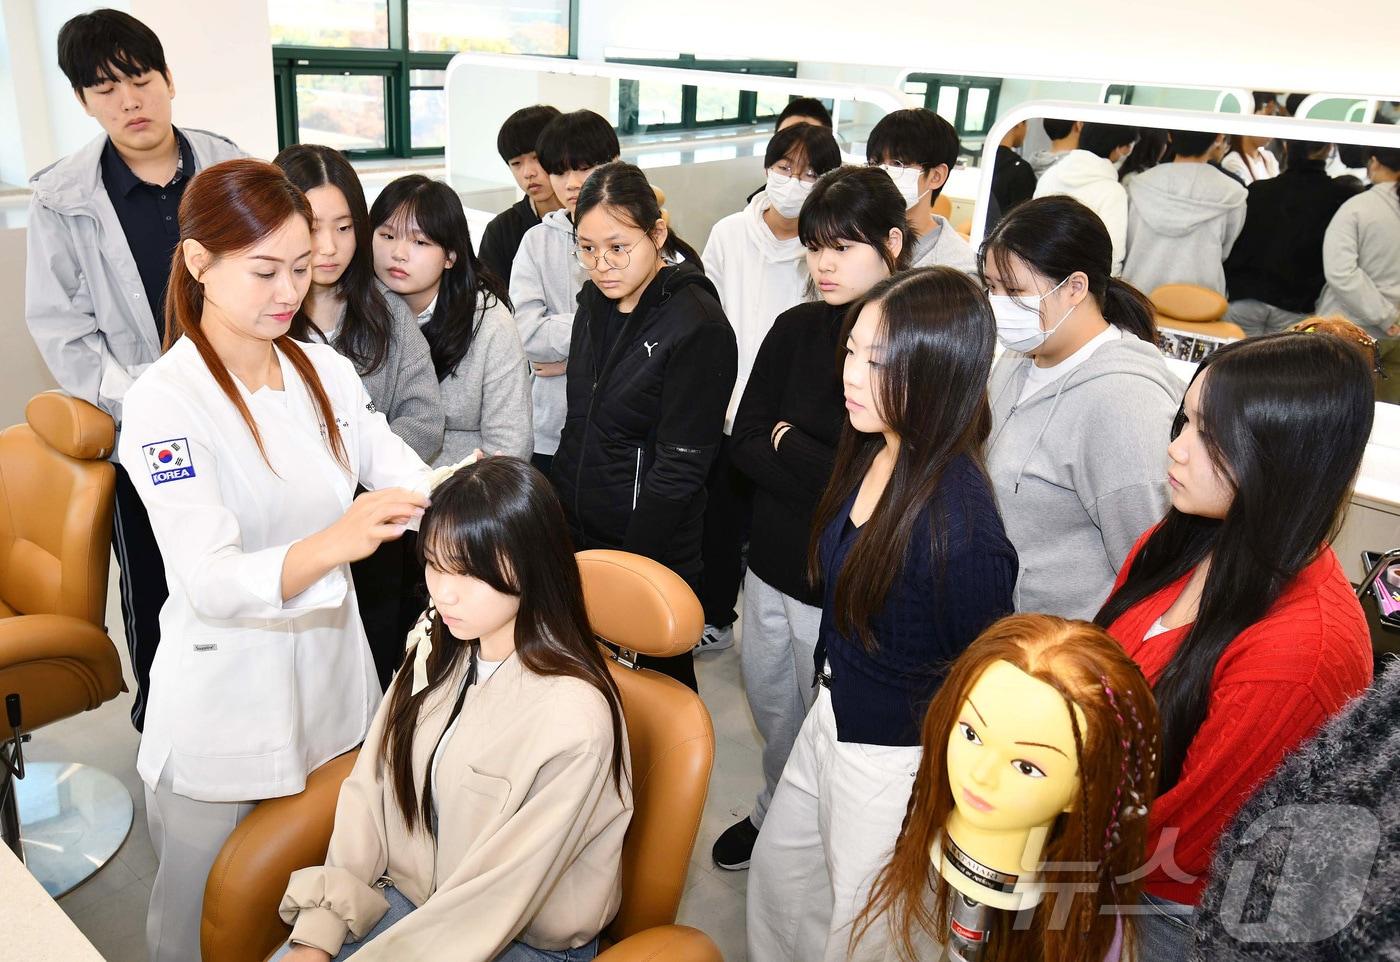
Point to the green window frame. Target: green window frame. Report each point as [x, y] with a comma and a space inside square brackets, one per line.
[629, 94]
[396, 63]
[964, 85]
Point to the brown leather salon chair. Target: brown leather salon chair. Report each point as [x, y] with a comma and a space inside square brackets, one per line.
[1193, 309]
[56, 491]
[640, 607]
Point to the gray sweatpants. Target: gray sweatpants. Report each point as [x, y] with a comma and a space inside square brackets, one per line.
[186, 835]
[776, 650]
[1258, 318]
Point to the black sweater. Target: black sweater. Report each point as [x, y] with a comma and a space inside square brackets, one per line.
[1278, 256]
[1013, 179]
[502, 237]
[645, 417]
[794, 379]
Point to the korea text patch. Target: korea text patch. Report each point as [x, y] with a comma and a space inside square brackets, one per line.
[169, 460]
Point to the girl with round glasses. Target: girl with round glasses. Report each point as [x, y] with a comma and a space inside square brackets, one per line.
[651, 366]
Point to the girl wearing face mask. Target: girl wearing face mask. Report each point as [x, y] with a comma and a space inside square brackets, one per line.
[447, 844]
[755, 260]
[854, 231]
[914, 564]
[423, 253]
[1238, 612]
[246, 448]
[350, 309]
[651, 367]
[1080, 402]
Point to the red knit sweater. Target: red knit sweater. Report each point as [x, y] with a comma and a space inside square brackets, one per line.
[1274, 686]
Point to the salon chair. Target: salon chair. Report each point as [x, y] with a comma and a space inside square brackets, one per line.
[1193, 309]
[639, 607]
[56, 491]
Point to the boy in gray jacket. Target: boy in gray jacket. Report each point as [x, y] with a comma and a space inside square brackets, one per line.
[546, 276]
[102, 228]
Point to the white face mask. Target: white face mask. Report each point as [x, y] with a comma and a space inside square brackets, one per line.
[787, 194]
[1018, 319]
[907, 180]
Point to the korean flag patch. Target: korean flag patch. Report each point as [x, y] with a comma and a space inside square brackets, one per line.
[169, 460]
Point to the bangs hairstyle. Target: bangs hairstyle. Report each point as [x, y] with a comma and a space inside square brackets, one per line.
[914, 136]
[1285, 420]
[1101, 839]
[101, 46]
[809, 107]
[365, 331]
[625, 191]
[228, 208]
[576, 141]
[812, 146]
[860, 205]
[467, 288]
[498, 521]
[1057, 236]
[521, 130]
[937, 334]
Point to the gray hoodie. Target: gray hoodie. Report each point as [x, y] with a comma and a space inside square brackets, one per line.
[1359, 257]
[1182, 221]
[84, 301]
[1080, 469]
[544, 284]
[944, 247]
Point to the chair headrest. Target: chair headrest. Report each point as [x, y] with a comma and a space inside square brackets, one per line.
[71, 426]
[639, 604]
[1189, 302]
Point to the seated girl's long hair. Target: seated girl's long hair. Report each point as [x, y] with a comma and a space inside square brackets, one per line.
[499, 521]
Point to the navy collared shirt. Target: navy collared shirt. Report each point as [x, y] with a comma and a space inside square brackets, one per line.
[148, 214]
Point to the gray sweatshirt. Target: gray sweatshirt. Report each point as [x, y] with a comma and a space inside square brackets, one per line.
[1361, 259]
[1182, 221]
[487, 398]
[404, 388]
[544, 284]
[1080, 469]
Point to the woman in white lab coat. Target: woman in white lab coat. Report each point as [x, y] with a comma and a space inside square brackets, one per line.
[246, 448]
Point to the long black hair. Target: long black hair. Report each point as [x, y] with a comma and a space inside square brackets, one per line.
[1285, 420]
[499, 521]
[937, 334]
[365, 332]
[1056, 236]
[858, 204]
[624, 189]
[467, 288]
[1147, 153]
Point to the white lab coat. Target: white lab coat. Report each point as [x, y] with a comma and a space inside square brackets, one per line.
[249, 692]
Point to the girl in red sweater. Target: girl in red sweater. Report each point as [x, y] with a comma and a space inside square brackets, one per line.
[1234, 606]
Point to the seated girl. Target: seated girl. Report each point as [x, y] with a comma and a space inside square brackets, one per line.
[485, 815]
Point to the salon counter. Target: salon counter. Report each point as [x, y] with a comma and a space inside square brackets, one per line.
[35, 928]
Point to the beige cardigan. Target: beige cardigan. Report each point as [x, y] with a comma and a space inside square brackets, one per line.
[530, 829]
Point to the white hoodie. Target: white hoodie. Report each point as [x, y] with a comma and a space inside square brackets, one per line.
[758, 277]
[1093, 181]
[1182, 221]
[544, 283]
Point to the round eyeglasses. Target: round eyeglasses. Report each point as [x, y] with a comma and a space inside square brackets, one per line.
[616, 256]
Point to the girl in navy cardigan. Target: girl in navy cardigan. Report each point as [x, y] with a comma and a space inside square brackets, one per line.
[914, 564]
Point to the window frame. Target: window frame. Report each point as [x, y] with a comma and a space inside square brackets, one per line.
[629, 94]
[395, 61]
[964, 84]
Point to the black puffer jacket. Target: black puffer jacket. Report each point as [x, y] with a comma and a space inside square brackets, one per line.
[644, 421]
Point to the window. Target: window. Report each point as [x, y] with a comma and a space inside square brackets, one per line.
[645, 105]
[367, 76]
[968, 103]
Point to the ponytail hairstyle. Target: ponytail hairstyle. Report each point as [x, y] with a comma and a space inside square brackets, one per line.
[498, 520]
[859, 204]
[1057, 236]
[1093, 853]
[937, 335]
[467, 288]
[228, 208]
[365, 332]
[1285, 420]
[624, 190]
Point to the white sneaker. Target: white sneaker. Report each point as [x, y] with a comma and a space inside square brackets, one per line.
[715, 639]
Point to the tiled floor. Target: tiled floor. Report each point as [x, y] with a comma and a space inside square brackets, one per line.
[110, 908]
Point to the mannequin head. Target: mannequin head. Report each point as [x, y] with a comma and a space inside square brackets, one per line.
[1053, 698]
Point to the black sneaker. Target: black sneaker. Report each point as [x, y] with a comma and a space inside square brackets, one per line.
[734, 848]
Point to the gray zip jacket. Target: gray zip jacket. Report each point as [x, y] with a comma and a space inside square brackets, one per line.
[83, 299]
[1080, 470]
